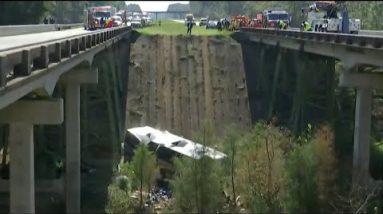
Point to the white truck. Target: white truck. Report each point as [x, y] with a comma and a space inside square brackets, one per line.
[323, 16]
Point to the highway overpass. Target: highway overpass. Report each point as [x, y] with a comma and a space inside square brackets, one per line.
[37, 63]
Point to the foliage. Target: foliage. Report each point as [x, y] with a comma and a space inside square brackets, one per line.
[301, 194]
[144, 169]
[33, 12]
[197, 183]
[175, 28]
[118, 200]
[133, 8]
[178, 7]
[260, 175]
[21, 12]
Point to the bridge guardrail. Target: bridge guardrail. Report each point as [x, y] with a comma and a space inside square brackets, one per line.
[22, 61]
[365, 41]
[12, 30]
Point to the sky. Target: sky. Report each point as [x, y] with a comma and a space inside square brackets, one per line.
[155, 5]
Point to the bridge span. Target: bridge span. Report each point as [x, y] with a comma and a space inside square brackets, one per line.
[353, 51]
[31, 65]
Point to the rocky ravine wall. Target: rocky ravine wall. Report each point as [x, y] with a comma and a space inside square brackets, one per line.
[177, 83]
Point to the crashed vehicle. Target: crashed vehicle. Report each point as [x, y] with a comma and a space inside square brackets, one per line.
[166, 146]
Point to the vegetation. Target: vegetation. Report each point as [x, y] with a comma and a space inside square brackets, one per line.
[177, 28]
[178, 7]
[267, 170]
[369, 12]
[133, 8]
[33, 12]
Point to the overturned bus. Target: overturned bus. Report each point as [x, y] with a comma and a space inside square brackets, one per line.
[166, 146]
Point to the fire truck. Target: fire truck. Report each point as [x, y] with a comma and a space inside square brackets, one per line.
[257, 22]
[93, 15]
[270, 18]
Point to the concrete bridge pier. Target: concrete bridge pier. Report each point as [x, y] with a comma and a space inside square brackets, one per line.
[72, 82]
[21, 117]
[364, 84]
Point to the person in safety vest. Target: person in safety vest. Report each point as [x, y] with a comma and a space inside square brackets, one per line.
[282, 24]
[306, 26]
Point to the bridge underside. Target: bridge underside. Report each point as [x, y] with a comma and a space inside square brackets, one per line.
[293, 78]
[39, 142]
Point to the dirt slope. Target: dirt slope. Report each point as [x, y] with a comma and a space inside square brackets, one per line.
[177, 82]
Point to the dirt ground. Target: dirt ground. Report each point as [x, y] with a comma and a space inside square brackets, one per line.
[177, 83]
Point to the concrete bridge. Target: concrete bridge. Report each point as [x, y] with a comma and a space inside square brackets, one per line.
[31, 67]
[269, 52]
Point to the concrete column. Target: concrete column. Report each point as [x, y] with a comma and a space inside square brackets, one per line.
[72, 138]
[362, 133]
[22, 176]
[72, 82]
[21, 116]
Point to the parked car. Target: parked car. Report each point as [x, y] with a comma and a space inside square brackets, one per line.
[117, 21]
[202, 22]
[136, 23]
[211, 24]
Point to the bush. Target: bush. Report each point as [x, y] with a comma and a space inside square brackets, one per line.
[118, 201]
[301, 187]
[197, 186]
[260, 174]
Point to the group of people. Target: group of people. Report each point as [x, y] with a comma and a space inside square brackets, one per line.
[106, 22]
[223, 24]
[49, 20]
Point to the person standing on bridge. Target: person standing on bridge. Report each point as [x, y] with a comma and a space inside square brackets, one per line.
[306, 26]
[282, 25]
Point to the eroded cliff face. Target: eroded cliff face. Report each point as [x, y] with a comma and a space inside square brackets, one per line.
[177, 83]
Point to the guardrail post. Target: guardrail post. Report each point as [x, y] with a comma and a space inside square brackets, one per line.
[67, 50]
[88, 41]
[24, 68]
[83, 43]
[93, 40]
[3, 71]
[43, 60]
[75, 45]
[57, 53]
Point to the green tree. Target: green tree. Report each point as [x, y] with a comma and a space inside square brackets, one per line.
[178, 7]
[197, 186]
[133, 8]
[143, 168]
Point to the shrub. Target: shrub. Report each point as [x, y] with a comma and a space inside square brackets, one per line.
[118, 201]
[260, 176]
[197, 186]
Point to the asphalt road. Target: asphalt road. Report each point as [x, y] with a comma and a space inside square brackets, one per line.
[12, 42]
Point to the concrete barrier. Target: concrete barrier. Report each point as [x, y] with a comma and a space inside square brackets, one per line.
[12, 30]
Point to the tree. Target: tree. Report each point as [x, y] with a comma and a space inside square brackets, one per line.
[197, 186]
[133, 8]
[178, 7]
[144, 169]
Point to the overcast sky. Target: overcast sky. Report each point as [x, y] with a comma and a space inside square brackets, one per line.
[155, 5]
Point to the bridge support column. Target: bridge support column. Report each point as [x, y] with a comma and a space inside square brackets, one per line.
[72, 82]
[362, 132]
[364, 83]
[21, 116]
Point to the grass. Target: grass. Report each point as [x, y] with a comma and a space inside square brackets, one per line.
[169, 27]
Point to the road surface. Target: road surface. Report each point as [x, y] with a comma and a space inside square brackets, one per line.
[12, 42]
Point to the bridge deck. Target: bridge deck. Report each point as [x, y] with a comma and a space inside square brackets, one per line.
[13, 42]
